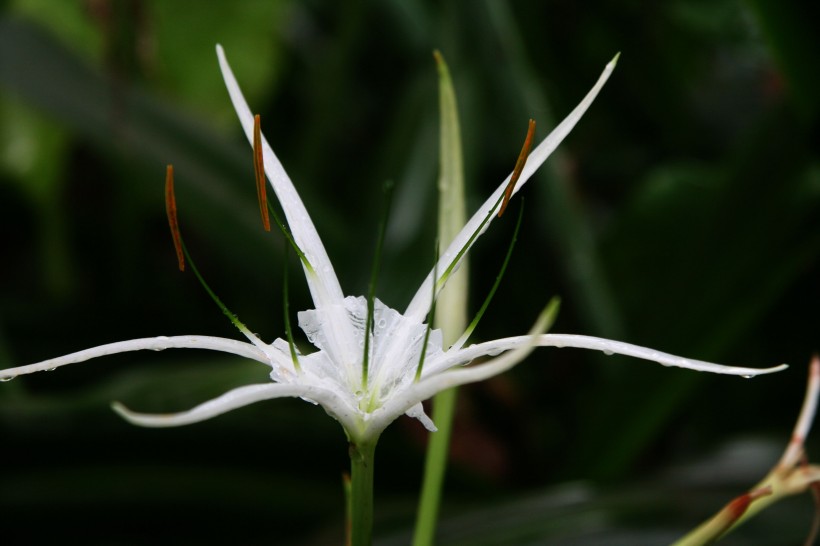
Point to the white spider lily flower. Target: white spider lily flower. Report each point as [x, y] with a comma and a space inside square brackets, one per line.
[333, 376]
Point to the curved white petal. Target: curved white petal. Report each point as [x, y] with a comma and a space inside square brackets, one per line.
[231, 400]
[441, 377]
[143, 344]
[324, 286]
[608, 346]
[420, 304]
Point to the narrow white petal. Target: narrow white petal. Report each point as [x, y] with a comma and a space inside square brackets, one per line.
[324, 286]
[607, 346]
[440, 378]
[144, 344]
[420, 304]
[231, 400]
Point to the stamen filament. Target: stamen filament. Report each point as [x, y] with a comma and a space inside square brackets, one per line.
[259, 171]
[430, 318]
[519, 166]
[472, 326]
[286, 232]
[447, 272]
[286, 299]
[171, 211]
[374, 275]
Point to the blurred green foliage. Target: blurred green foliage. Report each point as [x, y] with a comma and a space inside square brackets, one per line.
[683, 213]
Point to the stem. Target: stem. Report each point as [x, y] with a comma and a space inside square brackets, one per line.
[451, 310]
[361, 492]
[436, 463]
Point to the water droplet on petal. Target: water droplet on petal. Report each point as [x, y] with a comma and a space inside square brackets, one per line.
[607, 353]
[51, 369]
[7, 378]
[749, 376]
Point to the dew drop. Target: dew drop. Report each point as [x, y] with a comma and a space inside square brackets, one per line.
[382, 323]
[7, 378]
[51, 369]
[747, 376]
[607, 353]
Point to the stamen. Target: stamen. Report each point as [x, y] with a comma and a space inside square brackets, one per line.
[183, 255]
[171, 211]
[503, 200]
[265, 208]
[519, 167]
[259, 171]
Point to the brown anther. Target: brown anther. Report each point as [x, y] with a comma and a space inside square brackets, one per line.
[519, 167]
[259, 170]
[171, 211]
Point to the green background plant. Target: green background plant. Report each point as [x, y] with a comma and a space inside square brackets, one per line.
[683, 213]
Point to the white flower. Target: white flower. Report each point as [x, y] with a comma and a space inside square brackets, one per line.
[333, 376]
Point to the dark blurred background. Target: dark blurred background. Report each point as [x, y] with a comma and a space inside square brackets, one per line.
[683, 213]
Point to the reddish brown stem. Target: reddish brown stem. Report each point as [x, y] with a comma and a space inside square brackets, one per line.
[259, 170]
[519, 167]
[171, 211]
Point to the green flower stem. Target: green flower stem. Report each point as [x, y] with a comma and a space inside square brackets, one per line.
[362, 459]
[451, 310]
[436, 463]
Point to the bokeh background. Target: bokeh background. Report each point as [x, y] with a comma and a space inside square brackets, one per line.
[682, 213]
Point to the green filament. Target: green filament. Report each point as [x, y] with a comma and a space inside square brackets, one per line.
[232, 317]
[374, 275]
[430, 317]
[286, 306]
[466, 335]
[286, 232]
[447, 272]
